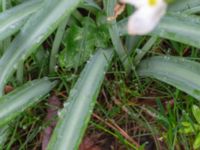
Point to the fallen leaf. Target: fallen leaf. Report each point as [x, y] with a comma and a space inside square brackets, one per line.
[88, 144]
[54, 104]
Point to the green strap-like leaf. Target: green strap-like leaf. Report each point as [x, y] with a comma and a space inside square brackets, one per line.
[90, 3]
[178, 27]
[14, 103]
[76, 113]
[35, 31]
[115, 36]
[4, 133]
[12, 19]
[181, 28]
[179, 72]
[183, 5]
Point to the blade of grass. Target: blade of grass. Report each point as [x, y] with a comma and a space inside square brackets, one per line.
[90, 3]
[23, 97]
[76, 113]
[56, 44]
[145, 49]
[35, 31]
[176, 71]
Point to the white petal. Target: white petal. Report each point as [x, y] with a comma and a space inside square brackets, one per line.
[145, 19]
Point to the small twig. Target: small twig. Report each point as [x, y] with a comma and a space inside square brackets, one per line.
[114, 126]
[118, 10]
[125, 134]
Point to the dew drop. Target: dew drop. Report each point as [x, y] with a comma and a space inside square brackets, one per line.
[23, 57]
[24, 127]
[66, 104]
[139, 51]
[46, 78]
[31, 83]
[182, 59]
[73, 92]
[38, 40]
[15, 66]
[56, 68]
[166, 57]
[12, 26]
[91, 56]
[90, 111]
[60, 114]
[164, 78]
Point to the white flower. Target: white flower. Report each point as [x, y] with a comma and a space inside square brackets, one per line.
[147, 15]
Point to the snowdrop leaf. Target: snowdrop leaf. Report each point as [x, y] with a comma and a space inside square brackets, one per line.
[183, 5]
[175, 26]
[33, 33]
[74, 117]
[176, 71]
[181, 28]
[14, 103]
[12, 19]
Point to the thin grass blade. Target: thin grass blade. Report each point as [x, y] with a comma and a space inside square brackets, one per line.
[56, 44]
[147, 46]
[90, 3]
[115, 36]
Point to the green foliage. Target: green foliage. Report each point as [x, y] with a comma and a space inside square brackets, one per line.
[80, 43]
[177, 71]
[14, 103]
[75, 115]
[27, 27]
[178, 27]
[184, 5]
[13, 19]
[196, 144]
[192, 128]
